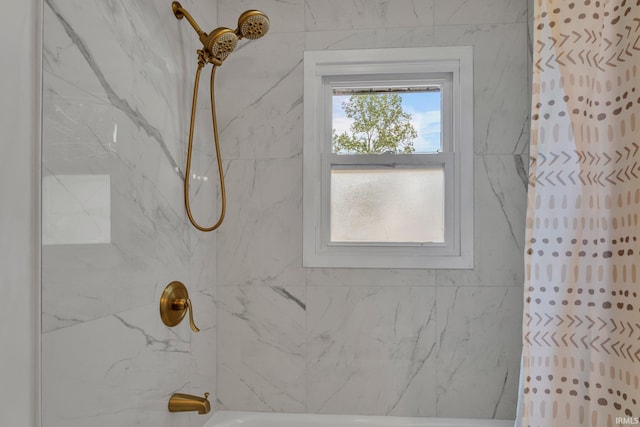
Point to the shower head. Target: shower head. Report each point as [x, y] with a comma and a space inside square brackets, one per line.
[221, 42]
[252, 25]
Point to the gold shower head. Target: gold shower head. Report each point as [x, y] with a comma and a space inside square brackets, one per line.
[217, 45]
[252, 25]
[221, 42]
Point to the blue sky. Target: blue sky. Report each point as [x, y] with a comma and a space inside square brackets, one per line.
[424, 108]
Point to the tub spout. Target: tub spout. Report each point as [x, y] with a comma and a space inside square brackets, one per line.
[180, 402]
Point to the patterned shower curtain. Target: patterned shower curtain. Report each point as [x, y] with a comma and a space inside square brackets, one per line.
[581, 355]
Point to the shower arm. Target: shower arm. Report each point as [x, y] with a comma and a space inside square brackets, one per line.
[181, 12]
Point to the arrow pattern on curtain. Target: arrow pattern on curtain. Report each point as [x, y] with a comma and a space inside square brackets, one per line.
[581, 331]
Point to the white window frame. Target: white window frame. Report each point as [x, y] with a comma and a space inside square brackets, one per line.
[452, 67]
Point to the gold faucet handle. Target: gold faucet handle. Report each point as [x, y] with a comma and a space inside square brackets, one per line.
[174, 304]
[193, 326]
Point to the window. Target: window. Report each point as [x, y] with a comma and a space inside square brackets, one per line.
[388, 158]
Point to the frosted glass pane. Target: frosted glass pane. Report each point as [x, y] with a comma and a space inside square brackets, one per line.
[387, 205]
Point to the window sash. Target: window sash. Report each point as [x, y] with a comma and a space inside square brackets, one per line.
[365, 81]
[446, 161]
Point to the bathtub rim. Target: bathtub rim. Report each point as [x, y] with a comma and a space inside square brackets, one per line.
[230, 418]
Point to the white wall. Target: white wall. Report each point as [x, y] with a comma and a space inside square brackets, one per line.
[117, 84]
[19, 125]
[412, 342]
[368, 341]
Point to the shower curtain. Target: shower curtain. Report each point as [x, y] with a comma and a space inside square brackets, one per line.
[581, 332]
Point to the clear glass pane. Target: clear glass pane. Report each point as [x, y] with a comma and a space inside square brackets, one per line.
[407, 120]
[387, 205]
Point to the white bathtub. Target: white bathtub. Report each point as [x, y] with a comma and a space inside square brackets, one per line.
[265, 419]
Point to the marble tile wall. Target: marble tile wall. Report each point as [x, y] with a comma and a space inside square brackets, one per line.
[276, 336]
[117, 84]
[402, 342]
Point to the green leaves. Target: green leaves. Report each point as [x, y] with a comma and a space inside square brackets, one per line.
[379, 125]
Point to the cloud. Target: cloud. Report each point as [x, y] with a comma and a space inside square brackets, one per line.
[341, 123]
[428, 126]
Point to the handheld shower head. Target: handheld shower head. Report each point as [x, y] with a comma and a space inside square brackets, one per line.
[252, 25]
[221, 42]
[217, 45]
